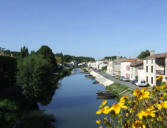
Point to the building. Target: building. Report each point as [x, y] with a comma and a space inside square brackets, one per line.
[125, 68]
[114, 66]
[136, 70]
[101, 65]
[154, 66]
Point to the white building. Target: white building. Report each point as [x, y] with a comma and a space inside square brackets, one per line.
[126, 70]
[110, 68]
[95, 65]
[154, 66]
[101, 65]
[136, 70]
[114, 67]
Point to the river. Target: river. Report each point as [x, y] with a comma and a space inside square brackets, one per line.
[74, 104]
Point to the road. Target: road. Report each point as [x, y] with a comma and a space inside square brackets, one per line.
[128, 84]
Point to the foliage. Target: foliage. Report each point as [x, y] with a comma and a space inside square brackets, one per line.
[8, 68]
[144, 54]
[117, 89]
[69, 58]
[8, 108]
[24, 52]
[110, 57]
[104, 68]
[35, 77]
[48, 54]
[7, 52]
[147, 108]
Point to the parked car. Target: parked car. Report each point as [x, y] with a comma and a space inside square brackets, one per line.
[142, 84]
[116, 77]
[126, 79]
[121, 77]
[134, 81]
[113, 75]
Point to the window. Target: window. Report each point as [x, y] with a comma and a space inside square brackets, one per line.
[147, 79]
[152, 61]
[151, 80]
[152, 69]
[146, 68]
[146, 61]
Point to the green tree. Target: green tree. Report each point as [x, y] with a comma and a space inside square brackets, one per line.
[104, 68]
[144, 54]
[48, 54]
[35, 77]
[24, 52]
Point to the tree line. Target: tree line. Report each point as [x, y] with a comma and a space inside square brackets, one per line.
[68, 58]
[26, 80]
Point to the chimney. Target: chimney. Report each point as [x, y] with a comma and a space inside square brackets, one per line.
[152, 52]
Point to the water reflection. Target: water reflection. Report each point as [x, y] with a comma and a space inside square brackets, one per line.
[18, 112]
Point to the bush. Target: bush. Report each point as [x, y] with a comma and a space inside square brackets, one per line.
[147, 108]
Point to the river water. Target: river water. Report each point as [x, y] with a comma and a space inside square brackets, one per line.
[74, 104]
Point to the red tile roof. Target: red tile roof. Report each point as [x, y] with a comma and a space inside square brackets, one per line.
[131, 60]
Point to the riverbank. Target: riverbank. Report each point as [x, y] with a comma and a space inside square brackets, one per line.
[100, 78]
[111, 84]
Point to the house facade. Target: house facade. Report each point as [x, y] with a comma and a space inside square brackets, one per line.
[154, 66]
[126, 68]
[114, 67]
[136, 69]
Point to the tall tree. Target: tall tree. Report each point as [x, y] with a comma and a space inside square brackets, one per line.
[48, 54]
[144, 54]
[35, 77]
[24, 52]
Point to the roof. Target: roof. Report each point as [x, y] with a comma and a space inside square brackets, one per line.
[131, 60]
[161, 55]
[137, 64]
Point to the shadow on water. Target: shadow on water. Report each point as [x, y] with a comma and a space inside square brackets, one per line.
[68, 102]
[18, 112]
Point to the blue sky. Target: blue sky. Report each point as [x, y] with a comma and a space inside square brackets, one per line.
[95, 28]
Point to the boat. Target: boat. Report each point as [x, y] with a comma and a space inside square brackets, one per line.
[105, 93]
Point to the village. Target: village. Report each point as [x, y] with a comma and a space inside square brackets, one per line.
[140, 72]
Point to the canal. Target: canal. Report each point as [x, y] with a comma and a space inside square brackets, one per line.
[74, 104]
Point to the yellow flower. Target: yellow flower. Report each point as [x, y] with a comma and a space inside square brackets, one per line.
[103, 103]
[102, 110]
[142, 114]
[150, 111]
[100, 127]
[162, 105]
[98, 121]
[159, 78]
[127, 114]
[138, 124]
[164, 95]
[141, 94]
[117, 107]
[159, 118]
[123, 98]
[136, 92]
[163, 86]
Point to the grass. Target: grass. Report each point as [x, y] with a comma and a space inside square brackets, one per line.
[119, 89]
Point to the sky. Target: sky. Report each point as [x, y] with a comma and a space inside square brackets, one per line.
[94, 28]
